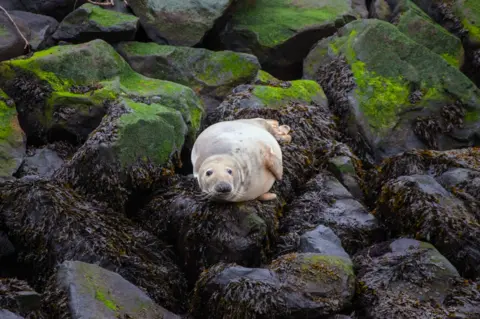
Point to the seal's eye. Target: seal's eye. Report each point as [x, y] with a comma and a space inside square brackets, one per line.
[229, 171]
[209, 172]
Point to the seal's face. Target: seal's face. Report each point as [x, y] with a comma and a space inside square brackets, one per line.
[218, 178]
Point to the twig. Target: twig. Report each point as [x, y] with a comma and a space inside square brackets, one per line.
[109, 3]
[27, 44]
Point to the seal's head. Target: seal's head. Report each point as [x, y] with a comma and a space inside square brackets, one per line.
[219, 177]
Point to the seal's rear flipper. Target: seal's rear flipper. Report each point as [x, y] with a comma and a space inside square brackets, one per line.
[267, 197]
[274, 164]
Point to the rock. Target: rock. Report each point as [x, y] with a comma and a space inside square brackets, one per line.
[11, 5]
[418, 206]
[179, 23]
[90, 22]
[12, 138]
[280, 33]
[18, 297]
[205, 233]
[61, 93]
[11, 43]
[293, 286]
[37, 28]
[94, 292]
[381, 89]
[134, 146]
[6, 247]
[49, 224]
[206, 72]
[468, 12]
[380, 9]
[5, 314]
[415, 23]
[54, 8]
[44, 162]
[344, 170]
[322, 240]
[324, 200]
[408, 278]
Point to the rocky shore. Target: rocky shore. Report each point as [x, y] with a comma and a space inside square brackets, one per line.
[377, 214]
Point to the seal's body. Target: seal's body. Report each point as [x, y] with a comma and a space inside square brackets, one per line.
[239, 160]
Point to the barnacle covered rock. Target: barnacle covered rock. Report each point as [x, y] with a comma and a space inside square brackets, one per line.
[18, 297]
[324, 200]
[382, 84]
[296, 285]
[406, 278]
[49, 224]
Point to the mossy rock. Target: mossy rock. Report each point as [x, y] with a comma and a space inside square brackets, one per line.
[95, 292]
[280, 32]
[468, 12]
[85, 75]
[132, 148]
[178, 22]
[419, 206]
[89, 22]
[293, 286]
[410, 278]
[205, 71]
[49, 224]
[12, 138]
[420, 27]
[392, 94]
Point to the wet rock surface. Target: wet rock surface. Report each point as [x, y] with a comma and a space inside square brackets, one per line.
[377, 214]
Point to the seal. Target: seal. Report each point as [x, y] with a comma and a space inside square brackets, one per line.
[239, 160]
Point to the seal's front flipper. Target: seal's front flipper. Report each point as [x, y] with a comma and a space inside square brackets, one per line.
[267, 197]
[274, 164]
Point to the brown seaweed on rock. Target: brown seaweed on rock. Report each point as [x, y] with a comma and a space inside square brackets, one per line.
[49, 224]
[18, 297]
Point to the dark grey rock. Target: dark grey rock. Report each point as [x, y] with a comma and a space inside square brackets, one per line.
[37, 28]
[11, 43]
[344, 170]
[94, 292]
[5, 314]
[90, 22]
[54, 8]
[43, 163]
[322, 240]
[6, 246]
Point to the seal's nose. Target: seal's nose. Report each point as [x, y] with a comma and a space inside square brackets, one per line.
[223, 187]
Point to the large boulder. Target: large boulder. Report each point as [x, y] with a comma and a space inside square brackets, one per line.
[206, 72]
[49, 224]
[134, 146]
[280, 33]
[37, 28]
[12, 138]
[90, 22]
[61, 93]
[392, 94]
[178, 22]
[406, 278]
[297, 285]
[90, 291]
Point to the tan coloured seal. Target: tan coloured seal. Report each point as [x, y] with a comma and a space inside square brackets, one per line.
[239, 160]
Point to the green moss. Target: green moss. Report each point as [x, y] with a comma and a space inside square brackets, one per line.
[472, 116]
[107, 18]
[275, 21]
[147, 48]
[8, 119]
[469, 14]
[300, 90]
[264, 77]
[326, 265]
[451, 59]
[380, 98]
[151, 132]
[3, 31]
[107, 302]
